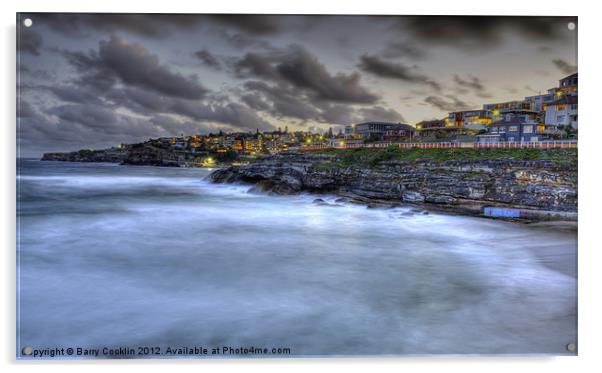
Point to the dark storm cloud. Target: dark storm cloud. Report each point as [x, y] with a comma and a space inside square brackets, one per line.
[234, 114]
[134, 65]
[481, 31]
[294, 84]
[380, 113]
[449, 104]
[35, 74]
[148, 103]
[473, 83]
[284, 101]
[256, 65]
[386, 69]
[395, 49]
[255, 102]
[149, 25]
[73, 94]
[208, 59]
[564, 66]
[140, 100]
[254, 24]
[305, 71]
[25, 110]
[29, 41]
[242, 40]
[91, 116]
[297, 67]
[338, 114]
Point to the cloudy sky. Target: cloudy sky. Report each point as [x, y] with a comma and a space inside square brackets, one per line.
[93, 81]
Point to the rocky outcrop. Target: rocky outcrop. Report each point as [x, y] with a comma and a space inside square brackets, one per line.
[465, 186]
[137, 154]
[112, 155]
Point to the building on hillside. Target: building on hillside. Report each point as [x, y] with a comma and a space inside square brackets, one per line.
[427, 124]
[179, 144]
[429, 128]
[562, 112]
[439, 129]
[349, 130]
[518, 128]
[469, 118]
[379, 131]
[228, 141]
[400, 132]
[568, 85]
[500, 110]
[538, 102]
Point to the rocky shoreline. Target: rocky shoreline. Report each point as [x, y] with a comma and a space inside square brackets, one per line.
[524, 190]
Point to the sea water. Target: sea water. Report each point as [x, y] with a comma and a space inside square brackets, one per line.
[114, 256]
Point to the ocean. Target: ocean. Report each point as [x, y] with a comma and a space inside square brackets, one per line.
[113, 256]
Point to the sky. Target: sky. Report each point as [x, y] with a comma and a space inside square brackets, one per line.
[89, 81]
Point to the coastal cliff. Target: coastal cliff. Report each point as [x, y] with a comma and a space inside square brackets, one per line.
[137, 154]
[85, 155]
[541, 188]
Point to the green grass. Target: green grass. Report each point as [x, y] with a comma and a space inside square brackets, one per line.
[372, 157]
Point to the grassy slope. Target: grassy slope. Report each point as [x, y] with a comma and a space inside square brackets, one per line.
[371, 157]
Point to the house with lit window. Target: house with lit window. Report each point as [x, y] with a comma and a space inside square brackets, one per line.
[379, 131]
[399, 132]
[518, 128]
[500, 110]
[539, 102]
[562, 112]
[567, 86]
[473, 119]
[430, 128]
[428, 124]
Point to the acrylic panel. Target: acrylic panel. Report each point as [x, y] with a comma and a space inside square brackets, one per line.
[198, 186]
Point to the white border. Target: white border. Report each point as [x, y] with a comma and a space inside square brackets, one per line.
[589, 152]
